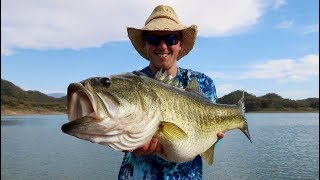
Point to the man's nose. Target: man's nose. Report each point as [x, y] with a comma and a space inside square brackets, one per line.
[162, 44]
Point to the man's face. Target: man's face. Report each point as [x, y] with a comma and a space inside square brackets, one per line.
[161, 55]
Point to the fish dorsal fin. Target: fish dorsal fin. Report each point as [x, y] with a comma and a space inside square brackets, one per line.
[208, 155]
[193, 86]
[172, 131]
[165, 77]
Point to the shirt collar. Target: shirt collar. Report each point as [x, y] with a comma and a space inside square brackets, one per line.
[147, 70]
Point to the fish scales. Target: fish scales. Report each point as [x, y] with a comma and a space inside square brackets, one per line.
[129, 109]
[193, 110]
[195, 118]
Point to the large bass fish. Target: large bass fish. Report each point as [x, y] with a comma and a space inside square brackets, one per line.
[125, 111]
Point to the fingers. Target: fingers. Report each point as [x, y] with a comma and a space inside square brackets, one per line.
[220, 135]
[158, 149]
[140, 150]
[152, 148]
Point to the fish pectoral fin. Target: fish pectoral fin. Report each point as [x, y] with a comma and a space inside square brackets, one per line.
[208, 155]
[172, 131]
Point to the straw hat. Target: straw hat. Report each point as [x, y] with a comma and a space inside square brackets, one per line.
[163, 18]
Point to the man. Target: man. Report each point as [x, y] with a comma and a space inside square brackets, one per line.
[163, 41]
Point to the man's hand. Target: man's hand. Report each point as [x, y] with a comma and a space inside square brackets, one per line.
[220, 135]
[153, 147]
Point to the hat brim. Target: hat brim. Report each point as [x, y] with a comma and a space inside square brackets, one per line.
[189, 35]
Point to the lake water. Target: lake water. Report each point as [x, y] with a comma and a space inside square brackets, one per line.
[285, 146]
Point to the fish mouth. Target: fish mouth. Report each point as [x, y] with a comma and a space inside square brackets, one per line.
[93, 114]
[81, 102]
[88, 115]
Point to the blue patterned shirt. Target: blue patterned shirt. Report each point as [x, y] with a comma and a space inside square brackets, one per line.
[153, 167]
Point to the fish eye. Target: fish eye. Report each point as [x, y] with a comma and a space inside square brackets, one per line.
[105, 82]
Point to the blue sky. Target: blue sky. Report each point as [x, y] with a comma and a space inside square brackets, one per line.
[259, 46]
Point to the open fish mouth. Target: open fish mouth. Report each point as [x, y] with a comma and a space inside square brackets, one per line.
[85, 115]
[84, 100]
[81, 102]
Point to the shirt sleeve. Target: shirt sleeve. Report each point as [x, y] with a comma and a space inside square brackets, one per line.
[207, 87]
[205, 83]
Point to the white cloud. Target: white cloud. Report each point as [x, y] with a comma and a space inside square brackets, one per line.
[297, 94]
[286, 70]
[217, 75]
[6, 51]
[313, 28]
[278, 3]
[294, 78]
[226, 88]
[223, 89]
[284, 24]
[216, 18]
[280, 70]
[303, 29]
[80, 23]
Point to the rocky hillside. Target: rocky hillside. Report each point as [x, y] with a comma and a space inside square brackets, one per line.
[271, 102]
[14, 100]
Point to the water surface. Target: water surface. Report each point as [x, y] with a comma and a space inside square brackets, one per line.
[285, 146]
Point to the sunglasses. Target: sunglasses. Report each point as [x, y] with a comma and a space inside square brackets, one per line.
[155, 40]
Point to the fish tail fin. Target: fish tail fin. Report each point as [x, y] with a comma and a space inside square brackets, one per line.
[244, 128]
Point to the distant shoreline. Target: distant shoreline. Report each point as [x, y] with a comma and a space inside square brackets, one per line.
[32, 114]
[23, 113]
[60, 113]
[7, 112]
